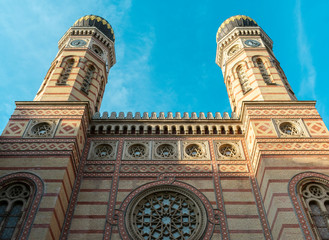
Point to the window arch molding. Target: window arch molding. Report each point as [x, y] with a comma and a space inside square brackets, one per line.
[36, 186]
[295, 186]
[167, 184]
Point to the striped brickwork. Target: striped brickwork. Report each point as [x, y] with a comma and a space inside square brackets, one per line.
[277, 159]
[53, 159]
[105, 188]
[71, 91]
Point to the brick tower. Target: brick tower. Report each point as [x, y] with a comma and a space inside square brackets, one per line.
[44, 139]
[70, 172]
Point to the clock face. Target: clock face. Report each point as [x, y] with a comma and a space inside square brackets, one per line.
[78, 43]
[252, 43]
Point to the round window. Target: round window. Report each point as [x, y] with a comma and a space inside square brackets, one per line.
[227, 150]
[194, 150]
[103, 150]
[165, 150]
[137, 150]
[166, 213]
[41, 129]
[289, 128]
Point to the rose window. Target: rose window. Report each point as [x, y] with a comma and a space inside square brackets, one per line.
[103, 150]
[288, 128]
[166, 215]
[41, 129]
[194, 150]
[165, 150]
[227, 150]
[137, 150]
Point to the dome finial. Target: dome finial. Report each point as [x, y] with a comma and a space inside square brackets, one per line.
[95, 21]
[232, 22]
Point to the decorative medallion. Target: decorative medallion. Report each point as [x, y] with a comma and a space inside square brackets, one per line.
[41, 128]
[166, 150]
[103, 150]
[290, 128]
[193, 150]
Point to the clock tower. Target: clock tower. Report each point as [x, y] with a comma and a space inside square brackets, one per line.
[251, 71]
[80, 69]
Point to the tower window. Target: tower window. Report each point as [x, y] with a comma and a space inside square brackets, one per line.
[87, 80]
[13, 203]
[243, 80]
[316, 199]
[263, 71]
[66, 72]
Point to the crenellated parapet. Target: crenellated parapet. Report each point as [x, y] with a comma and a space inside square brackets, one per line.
[161, 124]
[162, 116]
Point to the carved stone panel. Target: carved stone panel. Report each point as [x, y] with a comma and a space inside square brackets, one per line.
[228, 150]
[290, 128]
[137, 150]
[41, 128]
[166, 150]
[103, 150]
[195, 150]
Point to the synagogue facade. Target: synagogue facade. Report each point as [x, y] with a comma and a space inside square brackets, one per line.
[68, 171]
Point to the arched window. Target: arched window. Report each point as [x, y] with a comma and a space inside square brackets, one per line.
[206, 130]
[165, 130]
[87, 80]
[263, 71]
[141, 129]
[108, 130]
[149, 130]
[243, 79]
[182, 131]
[157, 130]
[125, 130]
[100, 130]
[173, 130]
[66, 72]
[14, 201]
[316, 200]
[214, 130]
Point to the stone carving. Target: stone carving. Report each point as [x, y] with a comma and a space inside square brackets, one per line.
[41, 128]
[195, 150]
[103, 150]
[137, 150]
[228, 150]
[290, 128]
[166, 150]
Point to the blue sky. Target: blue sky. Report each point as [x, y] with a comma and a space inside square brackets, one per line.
[165, 50]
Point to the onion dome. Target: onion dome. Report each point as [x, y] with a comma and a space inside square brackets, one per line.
[236, 21]
[95, 21]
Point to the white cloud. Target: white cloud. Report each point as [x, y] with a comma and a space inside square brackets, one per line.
[307, 86]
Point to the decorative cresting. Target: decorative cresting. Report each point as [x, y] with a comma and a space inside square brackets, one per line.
[166, 212]
[98, 22]
[20, 196]
[309, 193]
[232, 22]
